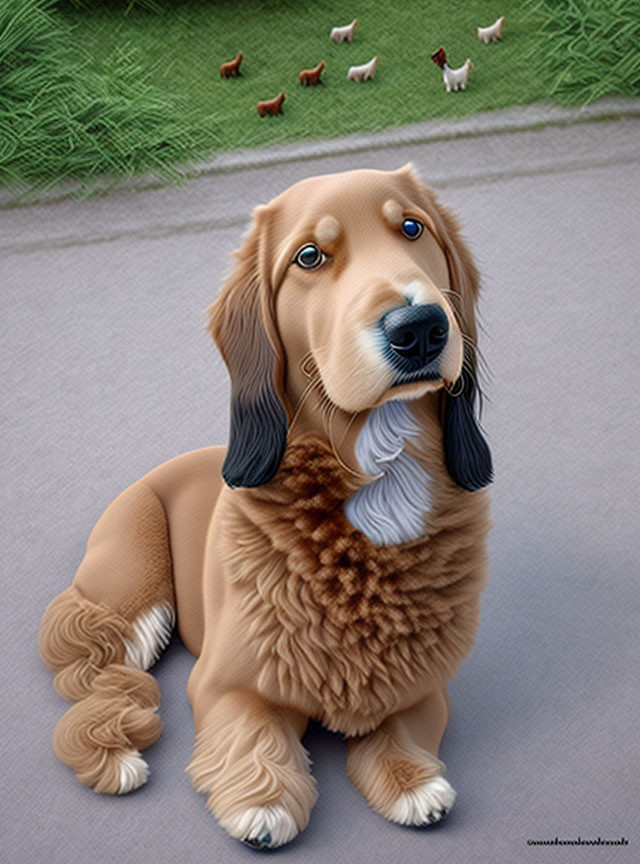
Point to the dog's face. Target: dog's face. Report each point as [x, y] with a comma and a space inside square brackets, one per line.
[361, 283]
[363, 276]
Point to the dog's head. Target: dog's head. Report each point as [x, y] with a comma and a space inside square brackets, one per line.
[363, 275]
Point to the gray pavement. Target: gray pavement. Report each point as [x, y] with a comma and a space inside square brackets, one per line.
[107, 371]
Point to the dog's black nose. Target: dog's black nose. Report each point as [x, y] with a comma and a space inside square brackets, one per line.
[416, 335]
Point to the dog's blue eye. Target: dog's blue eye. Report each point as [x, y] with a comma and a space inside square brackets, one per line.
[412, 229]
[309, 257]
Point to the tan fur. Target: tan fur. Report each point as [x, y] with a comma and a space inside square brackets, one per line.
[78, 639]
[249, 755]
[354, 630]
[290, 610]
[116, 718]
[85, 631]
[387, 763]
[136, 522]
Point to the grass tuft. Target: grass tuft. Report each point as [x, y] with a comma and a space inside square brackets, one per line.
[62, 115]
[588, 48]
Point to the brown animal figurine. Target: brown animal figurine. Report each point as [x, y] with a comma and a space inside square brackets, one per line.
[328, 562]
[309, 77]
[271, 106]
[232, 68]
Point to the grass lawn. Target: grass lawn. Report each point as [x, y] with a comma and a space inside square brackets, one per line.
[183, 44]
[89, 87]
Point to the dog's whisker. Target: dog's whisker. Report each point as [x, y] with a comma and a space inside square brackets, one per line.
[308, 364]
[348, 427]
[312, 384]
[328, 410]
[450, 293]
[334, 448]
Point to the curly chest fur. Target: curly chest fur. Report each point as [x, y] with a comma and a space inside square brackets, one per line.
[339, 623]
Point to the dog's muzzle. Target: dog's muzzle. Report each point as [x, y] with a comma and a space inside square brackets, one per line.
[415, 337]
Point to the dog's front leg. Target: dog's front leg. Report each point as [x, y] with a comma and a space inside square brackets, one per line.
[250, 763]
[396, 767]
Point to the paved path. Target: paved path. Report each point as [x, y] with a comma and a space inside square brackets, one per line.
[106, 371]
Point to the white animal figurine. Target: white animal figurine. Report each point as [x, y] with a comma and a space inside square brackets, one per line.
[364, 72]
[490, 34]
[344, 34]
[454, 79]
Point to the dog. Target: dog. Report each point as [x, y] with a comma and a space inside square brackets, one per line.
[271, 106]
[364, 72]
[309, 77]
[490, 34]
[454, 79]
[344, 34]
[232, 68]
[329, 561]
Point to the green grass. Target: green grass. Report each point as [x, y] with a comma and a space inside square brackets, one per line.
[588, 48]
[185, 42]
[64, 115]
[93, 87]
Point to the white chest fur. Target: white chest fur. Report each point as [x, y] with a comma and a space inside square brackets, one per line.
[393, 507]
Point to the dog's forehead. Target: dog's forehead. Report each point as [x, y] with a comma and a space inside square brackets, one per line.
[343, 195]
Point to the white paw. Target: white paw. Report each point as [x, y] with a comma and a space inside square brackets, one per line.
[134, 772]
[424, 805]
[263, 827]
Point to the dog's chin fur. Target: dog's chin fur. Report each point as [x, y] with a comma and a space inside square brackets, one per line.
[410, 391]
[401, 393]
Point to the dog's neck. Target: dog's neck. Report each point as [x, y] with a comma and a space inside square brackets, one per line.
[379, 448]
[393, 507]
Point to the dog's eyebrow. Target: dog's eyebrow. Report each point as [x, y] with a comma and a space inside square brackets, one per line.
[392, 212]
[327, 230]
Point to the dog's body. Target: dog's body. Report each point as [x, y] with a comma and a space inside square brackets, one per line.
[492, 33]
[271, 106]
[344, 34]
[365, 72]
[231, 69]
[337, 573]
[310, 77]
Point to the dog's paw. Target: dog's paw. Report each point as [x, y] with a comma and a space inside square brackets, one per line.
[424, 805]
[264, 827]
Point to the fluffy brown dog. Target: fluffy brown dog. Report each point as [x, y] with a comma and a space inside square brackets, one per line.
[337, 573]
[232, 68]
[271, 106]
[309, 77]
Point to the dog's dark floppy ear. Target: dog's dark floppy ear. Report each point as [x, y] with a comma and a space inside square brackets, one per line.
[242, 324]
[467, 454]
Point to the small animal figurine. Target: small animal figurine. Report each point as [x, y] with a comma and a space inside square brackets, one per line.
[232, 68]
[454, 79]
[271, 106]
[490, 34]
[309, 77]
[364, 72]
[344, 34]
